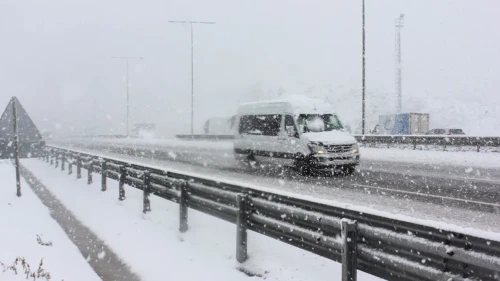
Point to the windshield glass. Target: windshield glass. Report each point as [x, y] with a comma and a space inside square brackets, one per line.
[318, 123]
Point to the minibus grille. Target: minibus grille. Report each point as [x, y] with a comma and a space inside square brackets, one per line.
[338, 148]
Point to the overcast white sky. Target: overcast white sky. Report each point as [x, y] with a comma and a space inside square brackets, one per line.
[56, 56]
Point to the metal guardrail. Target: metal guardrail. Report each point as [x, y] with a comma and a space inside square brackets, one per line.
[411, 140]
[443, 141]
[96, 137]
[384, 247]
[205, 137]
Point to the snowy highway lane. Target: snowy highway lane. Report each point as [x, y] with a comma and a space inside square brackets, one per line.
[452, 193]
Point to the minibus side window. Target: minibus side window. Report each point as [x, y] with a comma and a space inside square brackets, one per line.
[265, 125]
[290, 128]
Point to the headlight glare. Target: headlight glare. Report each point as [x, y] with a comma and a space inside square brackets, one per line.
[355, 148]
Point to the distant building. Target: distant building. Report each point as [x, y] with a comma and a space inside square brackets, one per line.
[219, 126]
[143, 130]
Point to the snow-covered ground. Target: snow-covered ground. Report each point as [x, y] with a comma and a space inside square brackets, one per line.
[152, 245]
[25, 226]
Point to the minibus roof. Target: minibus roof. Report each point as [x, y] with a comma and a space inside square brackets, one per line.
[295, 104]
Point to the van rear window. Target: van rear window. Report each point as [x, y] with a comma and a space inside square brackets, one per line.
[266, 125]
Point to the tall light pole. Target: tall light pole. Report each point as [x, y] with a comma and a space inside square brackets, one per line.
[363, 87]
[192, 63]
[128, 92]
[399, 87]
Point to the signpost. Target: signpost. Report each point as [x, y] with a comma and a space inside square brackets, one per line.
[19, 137]
[16, 146]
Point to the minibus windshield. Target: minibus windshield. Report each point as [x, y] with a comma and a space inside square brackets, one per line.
[318, 123]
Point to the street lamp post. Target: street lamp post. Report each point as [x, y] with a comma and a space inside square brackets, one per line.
[128, 92]
[399, 88]
[192, 64]
[363, 83]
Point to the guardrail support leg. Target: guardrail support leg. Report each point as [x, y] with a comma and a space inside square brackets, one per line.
[51, 159]
[146, 191]
[78, 167]
[121, 183]
[57, 161]
[63, 159]
[70, 167]
[89, 170]
[241, 228]
[349, 250]
[183, 209]
[103, 176]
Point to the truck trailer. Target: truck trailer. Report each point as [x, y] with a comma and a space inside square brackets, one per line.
[403, 124]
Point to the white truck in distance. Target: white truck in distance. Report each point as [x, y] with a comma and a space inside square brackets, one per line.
[294, 131]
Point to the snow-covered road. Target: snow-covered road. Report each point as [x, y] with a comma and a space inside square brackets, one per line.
[465, 158]
[406, 192]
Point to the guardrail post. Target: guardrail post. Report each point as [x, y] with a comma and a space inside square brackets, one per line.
[414, 143]
[121, 183]
[241, 228]
[63, 159]
[349, 231]
[78, 166]
[103, 175]
[183, 208]
[70, 167]
[89, 170]
[52, 159]
[57, 160]
[146, 191]
[47, 156]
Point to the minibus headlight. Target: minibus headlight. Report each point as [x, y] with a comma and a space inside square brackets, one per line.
[355, 148]
[316, 148]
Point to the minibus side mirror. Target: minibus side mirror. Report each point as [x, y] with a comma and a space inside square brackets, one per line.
[290, 130]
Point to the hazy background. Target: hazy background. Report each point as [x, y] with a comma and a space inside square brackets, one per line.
[56, 57]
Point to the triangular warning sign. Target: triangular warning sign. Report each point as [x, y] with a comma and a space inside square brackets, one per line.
[30, 139]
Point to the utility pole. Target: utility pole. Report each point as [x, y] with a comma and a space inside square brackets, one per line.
[363, 87]
[192, 64]
[399, 87]
[128, 94]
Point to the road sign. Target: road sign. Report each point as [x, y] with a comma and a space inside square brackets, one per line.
[29, 138]
[19, 137]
